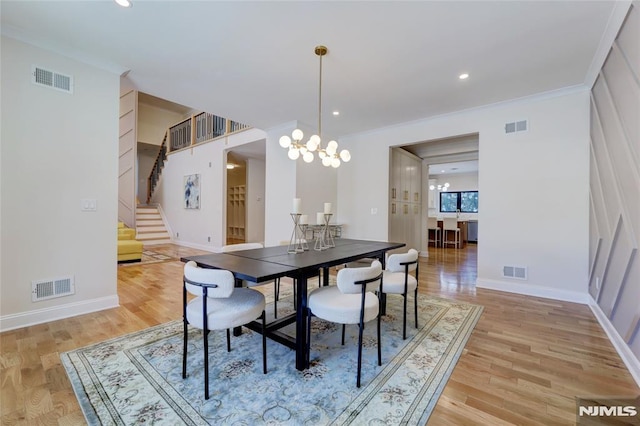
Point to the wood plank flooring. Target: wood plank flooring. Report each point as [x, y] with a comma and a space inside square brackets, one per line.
[525, 363]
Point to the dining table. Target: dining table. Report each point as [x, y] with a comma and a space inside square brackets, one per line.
[265, 264]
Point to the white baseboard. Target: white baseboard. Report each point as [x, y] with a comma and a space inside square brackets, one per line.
[534, 290]
[197, 246]
[39, 316]
[628, 357]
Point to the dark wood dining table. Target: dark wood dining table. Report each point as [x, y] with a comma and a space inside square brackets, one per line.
[265, 264]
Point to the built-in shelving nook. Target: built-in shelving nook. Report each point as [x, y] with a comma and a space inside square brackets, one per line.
[236, 199]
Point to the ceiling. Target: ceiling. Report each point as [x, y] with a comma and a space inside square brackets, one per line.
[389, 62]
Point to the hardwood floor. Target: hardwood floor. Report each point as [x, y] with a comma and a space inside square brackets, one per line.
[525, 363]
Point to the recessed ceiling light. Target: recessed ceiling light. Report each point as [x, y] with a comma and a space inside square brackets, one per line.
[463, 76]
[442, 171]
[124, 3]
[336, 112]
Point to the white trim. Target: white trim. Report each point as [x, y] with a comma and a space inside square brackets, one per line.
[628, 357]
[616, 19]
[40, 316]
[164, 221]
[534, 290]
[198, 246]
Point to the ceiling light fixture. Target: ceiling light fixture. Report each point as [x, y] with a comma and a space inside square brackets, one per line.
[463, 76]
[444, 187]
[124, 3]
[328, 155]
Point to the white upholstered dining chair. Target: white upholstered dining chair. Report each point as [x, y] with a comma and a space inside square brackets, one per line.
[397, 279]
[351, 301]
[218, 305]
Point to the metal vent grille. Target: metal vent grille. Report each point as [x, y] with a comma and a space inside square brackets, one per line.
[52, 79]
[519, 272]
[48, 289]
[516, 126]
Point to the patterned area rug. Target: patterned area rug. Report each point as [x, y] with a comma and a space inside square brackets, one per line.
[136, 379]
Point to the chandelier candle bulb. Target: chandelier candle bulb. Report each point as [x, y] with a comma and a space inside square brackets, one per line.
[320, 218]
[327, 208]
[297, 203]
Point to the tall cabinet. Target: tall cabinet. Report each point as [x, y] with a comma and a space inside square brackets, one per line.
[405, 192]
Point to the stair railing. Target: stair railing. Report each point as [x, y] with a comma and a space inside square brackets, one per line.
[203, 127]
[154, 176]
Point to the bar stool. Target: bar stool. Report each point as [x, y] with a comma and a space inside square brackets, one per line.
[450, 224]
[432, 225]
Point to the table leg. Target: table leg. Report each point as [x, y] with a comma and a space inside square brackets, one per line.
[301, 323]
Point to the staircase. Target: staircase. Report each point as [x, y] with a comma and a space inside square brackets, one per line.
[150, 227]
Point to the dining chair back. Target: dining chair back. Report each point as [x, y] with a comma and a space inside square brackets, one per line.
[397, 279]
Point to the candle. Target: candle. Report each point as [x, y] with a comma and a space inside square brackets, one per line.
[320, 218]
[304, 219]
[327, 208]
[297, 202]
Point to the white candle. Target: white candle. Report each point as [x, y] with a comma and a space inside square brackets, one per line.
[304, 219]
[327, 208]
[297, 202]
[320, 218]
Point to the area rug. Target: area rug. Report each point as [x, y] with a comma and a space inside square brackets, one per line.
[137, 378]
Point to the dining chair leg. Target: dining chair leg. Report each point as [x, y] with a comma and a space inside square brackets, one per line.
[228, 340]
[206, 363]
[415, 305]
[359, 352]
[264, 342]
[344, 326]
[184, 350]
[404, 319]
[379, 343]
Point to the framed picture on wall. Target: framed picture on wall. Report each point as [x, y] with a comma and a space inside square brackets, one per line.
[192, 191]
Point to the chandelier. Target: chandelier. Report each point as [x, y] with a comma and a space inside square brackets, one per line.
[444, 187]
[329, 154]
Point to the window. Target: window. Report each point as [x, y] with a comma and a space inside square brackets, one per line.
[463, 201]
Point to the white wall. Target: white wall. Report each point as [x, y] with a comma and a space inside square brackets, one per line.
[524, 221]
[153, 123]
[57, 148]
[195, 226]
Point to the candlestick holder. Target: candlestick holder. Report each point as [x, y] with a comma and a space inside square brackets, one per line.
[328, 238]
[295, 242]
[324, 239]
[303, 232]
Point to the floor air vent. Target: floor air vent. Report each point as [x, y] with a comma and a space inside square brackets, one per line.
[48, 289]
[519, 272]
[52, 79]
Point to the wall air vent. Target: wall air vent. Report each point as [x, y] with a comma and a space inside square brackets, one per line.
[519, 272]
[516, 126]
[49, 289]
[52, 79]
